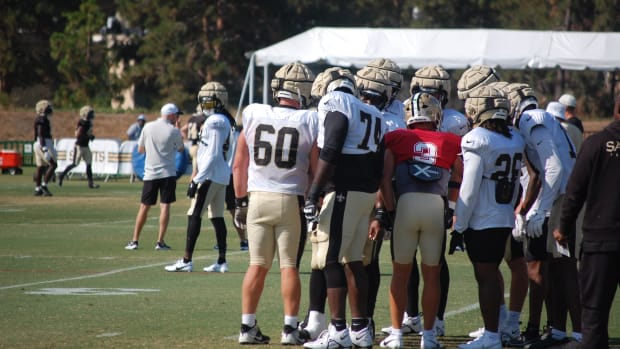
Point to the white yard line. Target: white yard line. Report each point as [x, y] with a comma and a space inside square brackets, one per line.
[111, 272]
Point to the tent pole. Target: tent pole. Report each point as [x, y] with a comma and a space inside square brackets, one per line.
[247, 81]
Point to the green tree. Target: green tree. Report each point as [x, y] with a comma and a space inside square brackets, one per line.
[26, 67]
[81, 64]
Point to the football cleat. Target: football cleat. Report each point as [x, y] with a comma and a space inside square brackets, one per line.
[392, 341]
[331, 339]
[291, 336]
[508, 333]
[180, 266]
[46, 191]
[362, 338]
[252, 335]
[132, 245]
[429, 343]
[243, 245]
[477, 333]
[411, 324]
[161, 246]
[483, 342]
[217, 268]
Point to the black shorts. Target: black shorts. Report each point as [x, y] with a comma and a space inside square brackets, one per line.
[165, 186]
[486, 245]
[516, 248]
[230, 195]
[536, 248]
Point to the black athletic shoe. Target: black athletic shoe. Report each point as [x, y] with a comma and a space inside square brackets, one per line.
[38, 192]
[527, 337]
[252, 335]
[46, 191]
[547, 341]
[93, 186]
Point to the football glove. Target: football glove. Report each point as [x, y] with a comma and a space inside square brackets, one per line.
[92, 137]
[385, 218]
[534, 225]
[241, 212]
[46, 154]
[456, 242]
[518, 232]
[311, 212]
[448, 218]
[191, 189]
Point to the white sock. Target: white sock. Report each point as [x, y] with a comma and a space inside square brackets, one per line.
[513, 317]
[503, 313]
[427, 333]
[491, 335]
[397, 332]
[290, 320]
[316, 317]
[248, 319]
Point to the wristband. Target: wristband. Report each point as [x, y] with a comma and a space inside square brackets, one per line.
[451, 205]
[241, 202]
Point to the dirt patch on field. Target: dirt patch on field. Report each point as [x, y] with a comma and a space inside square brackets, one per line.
[18, 125]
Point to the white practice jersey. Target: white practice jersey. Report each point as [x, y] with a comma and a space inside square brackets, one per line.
[212, 164]
[365, 130]
[279, 143]
[454, 122]
[550, 151]
[490, 187]
[394, 116]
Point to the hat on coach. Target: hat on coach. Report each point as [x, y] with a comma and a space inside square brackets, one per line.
[170, 108]
[568, 100]
[142, 117]
[556, 109]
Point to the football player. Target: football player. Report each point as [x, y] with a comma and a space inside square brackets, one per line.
[83, 135]
[44, 151]
[350, 137]
[207, 187]
[275, 153]
[552, 156]
[509, 317]
[435, 80]
[392, 112]
[492, 156]
[422, 161]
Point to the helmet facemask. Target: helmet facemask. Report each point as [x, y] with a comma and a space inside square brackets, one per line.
[425, 108]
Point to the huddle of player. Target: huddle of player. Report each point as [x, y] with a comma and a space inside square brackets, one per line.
[362, 166]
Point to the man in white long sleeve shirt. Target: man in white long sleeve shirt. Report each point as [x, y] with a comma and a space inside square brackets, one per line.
[551, 155]
[207, 188]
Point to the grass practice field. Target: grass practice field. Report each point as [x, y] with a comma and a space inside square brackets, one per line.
[67, 282]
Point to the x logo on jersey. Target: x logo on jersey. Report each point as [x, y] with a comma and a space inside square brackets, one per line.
[426, 171]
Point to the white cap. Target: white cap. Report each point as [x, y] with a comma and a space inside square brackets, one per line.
[568, 100]
[142, 117]
[556, 109]
[170, 108]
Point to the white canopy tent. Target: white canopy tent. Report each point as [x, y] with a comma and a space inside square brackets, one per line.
[451, 48]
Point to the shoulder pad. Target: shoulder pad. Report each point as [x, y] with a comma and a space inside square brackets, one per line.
[475, 141]
[531, 118]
